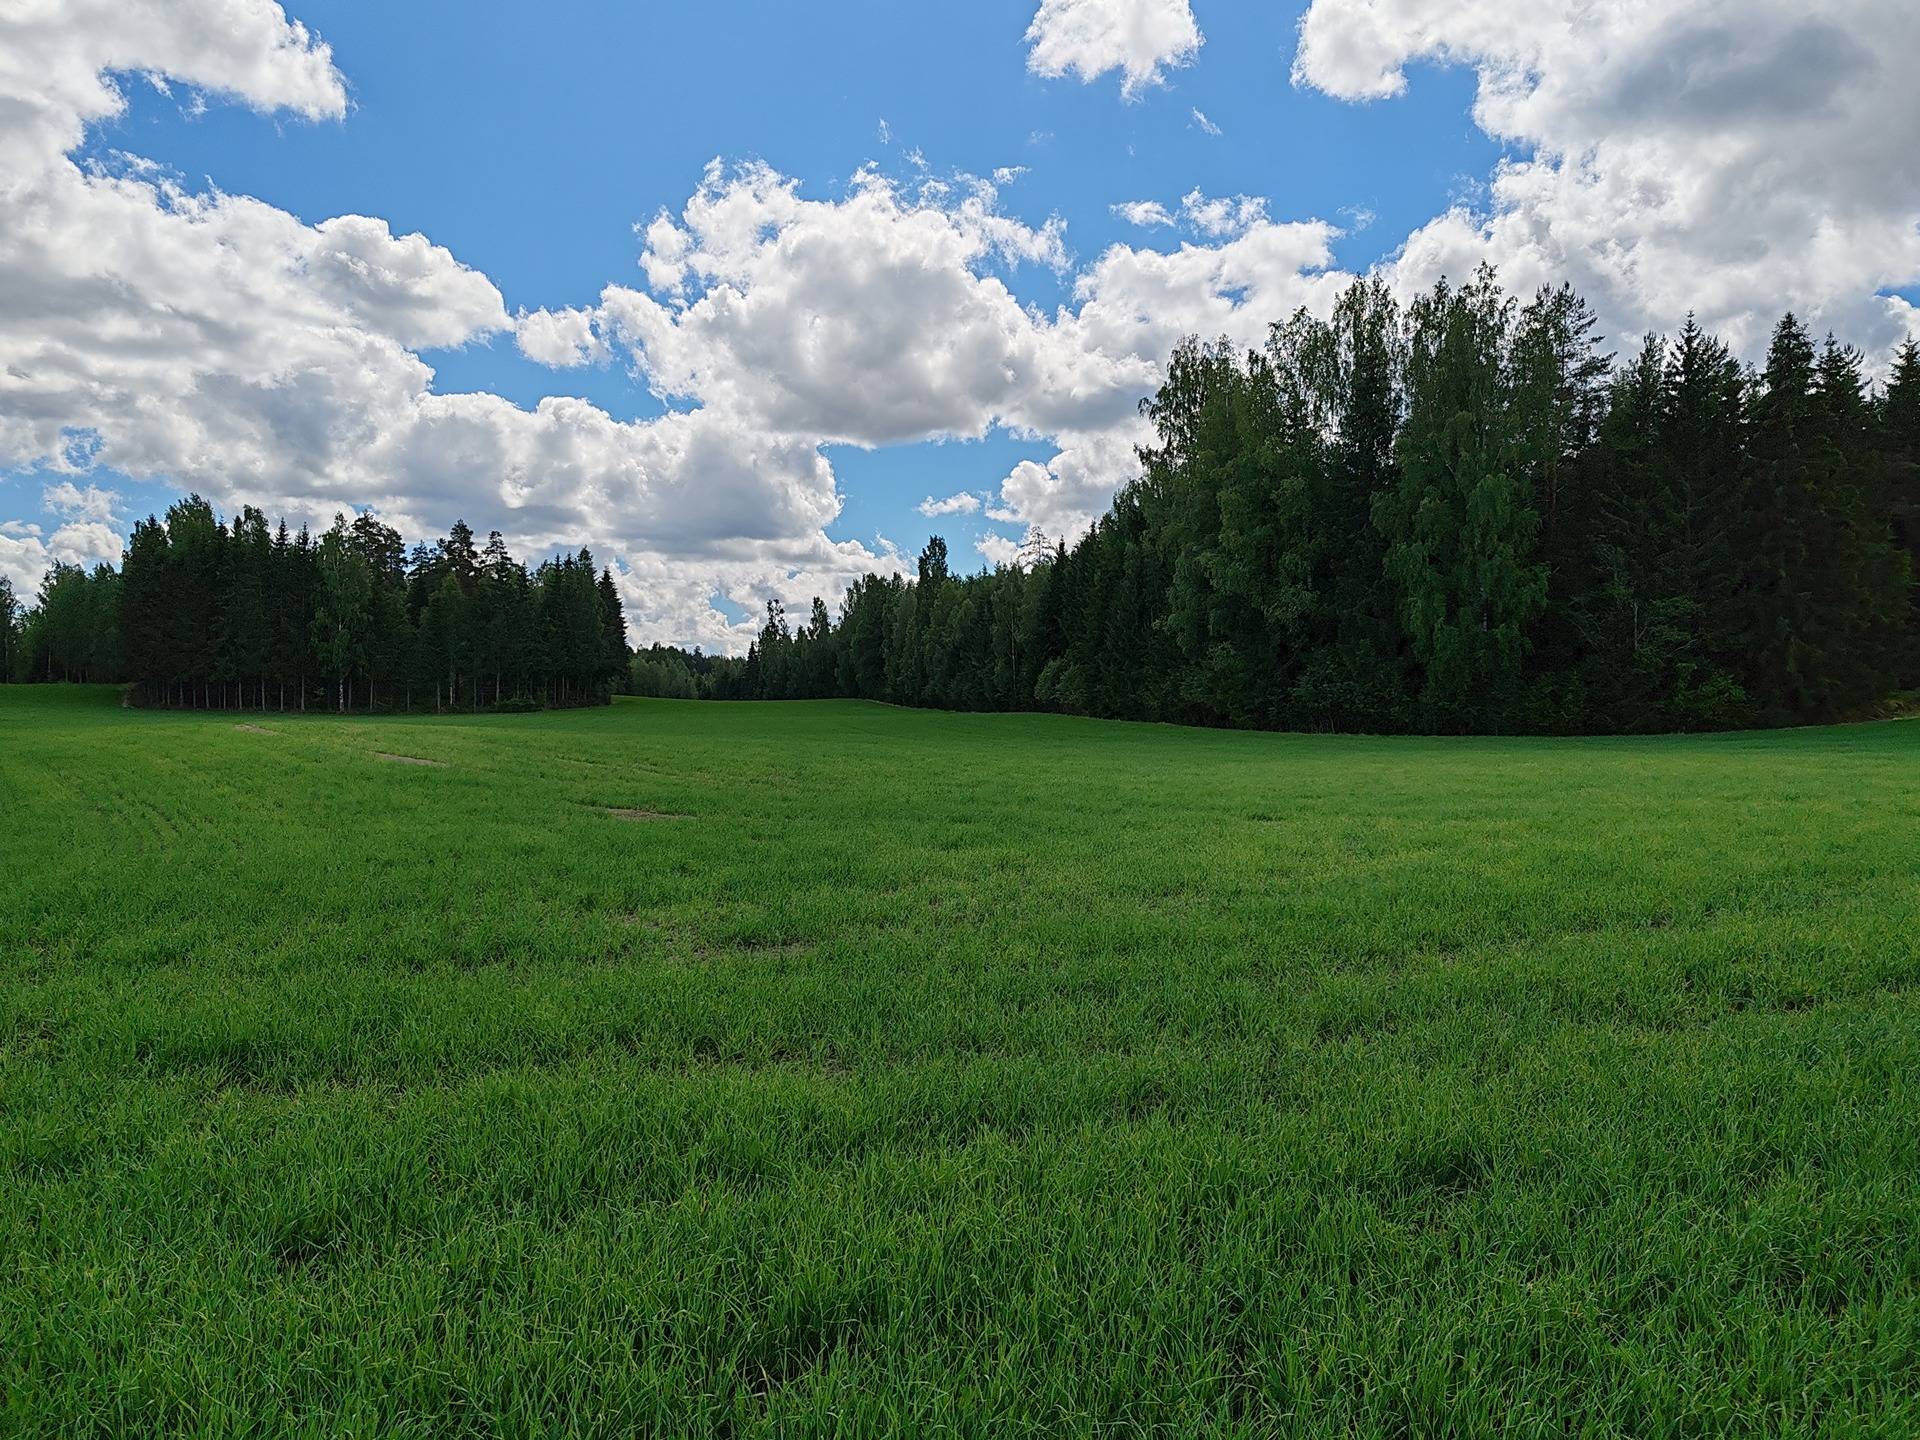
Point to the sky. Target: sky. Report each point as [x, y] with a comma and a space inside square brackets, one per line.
[752, 298]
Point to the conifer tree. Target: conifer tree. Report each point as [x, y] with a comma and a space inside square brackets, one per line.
[9, 630]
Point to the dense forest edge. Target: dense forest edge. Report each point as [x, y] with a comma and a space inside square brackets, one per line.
[206, 615]
[1460, 515]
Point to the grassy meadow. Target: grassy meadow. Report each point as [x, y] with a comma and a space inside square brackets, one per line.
[894, 1072]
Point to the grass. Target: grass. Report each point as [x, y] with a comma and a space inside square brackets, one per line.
[909, 1073]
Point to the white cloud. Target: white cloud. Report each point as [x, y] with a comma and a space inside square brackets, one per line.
[870, 320]
[27, 552]
[1067, 494]
[74, 503]
[1144, 213]
[56, 62]
[1088, 38]
[1217, 217]
[1222, 215]
[400, 285]
[964, 503]
[876, 319]
[218, 343]
[1730, 157]
[85, 543]
[1138, 304]
[23, 558]
[560, 338]
[1200, 119]
[998, 549]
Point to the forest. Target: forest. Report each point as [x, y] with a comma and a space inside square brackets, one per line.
[1460, 515]
[204, 614]
[1457, 515]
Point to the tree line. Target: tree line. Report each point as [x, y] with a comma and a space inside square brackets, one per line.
[210, 615]
[1457, 515]
[1460, 514]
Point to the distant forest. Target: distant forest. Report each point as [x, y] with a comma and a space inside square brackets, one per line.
[205, 615]
[1462, 515]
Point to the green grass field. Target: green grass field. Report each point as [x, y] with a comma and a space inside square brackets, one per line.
[913, 1073]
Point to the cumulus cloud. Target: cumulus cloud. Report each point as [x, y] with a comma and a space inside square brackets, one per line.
[57, 64]
[215, 342]
[1067, 494]
[218, 343]
[1730, 157]
[997, 549]
[23, 558]
[881, 317]
[1088, 38]
[26, 551]
[85, 543]
[1144, 213]
[1224, 214]
[868, 320]
[559, 338]
[77, 503]
[965, 503]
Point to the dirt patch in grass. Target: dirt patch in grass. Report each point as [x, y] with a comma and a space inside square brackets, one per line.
[407, 759]
[621, 812]
[254, 729]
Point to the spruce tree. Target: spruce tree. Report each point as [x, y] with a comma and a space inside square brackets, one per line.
[1898, 462]
[9, 630]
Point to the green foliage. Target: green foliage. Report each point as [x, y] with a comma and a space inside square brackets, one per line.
[243, 617]
[73, 630]
[10, 653]
[1460, 524]
[942, 1074]
[1462, 517]
[1457, 517]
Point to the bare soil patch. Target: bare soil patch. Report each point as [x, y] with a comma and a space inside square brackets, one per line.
[407, 759]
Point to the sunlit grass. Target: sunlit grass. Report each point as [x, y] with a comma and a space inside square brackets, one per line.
[889, 1071]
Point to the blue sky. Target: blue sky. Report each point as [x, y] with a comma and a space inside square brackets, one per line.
[529, 143]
